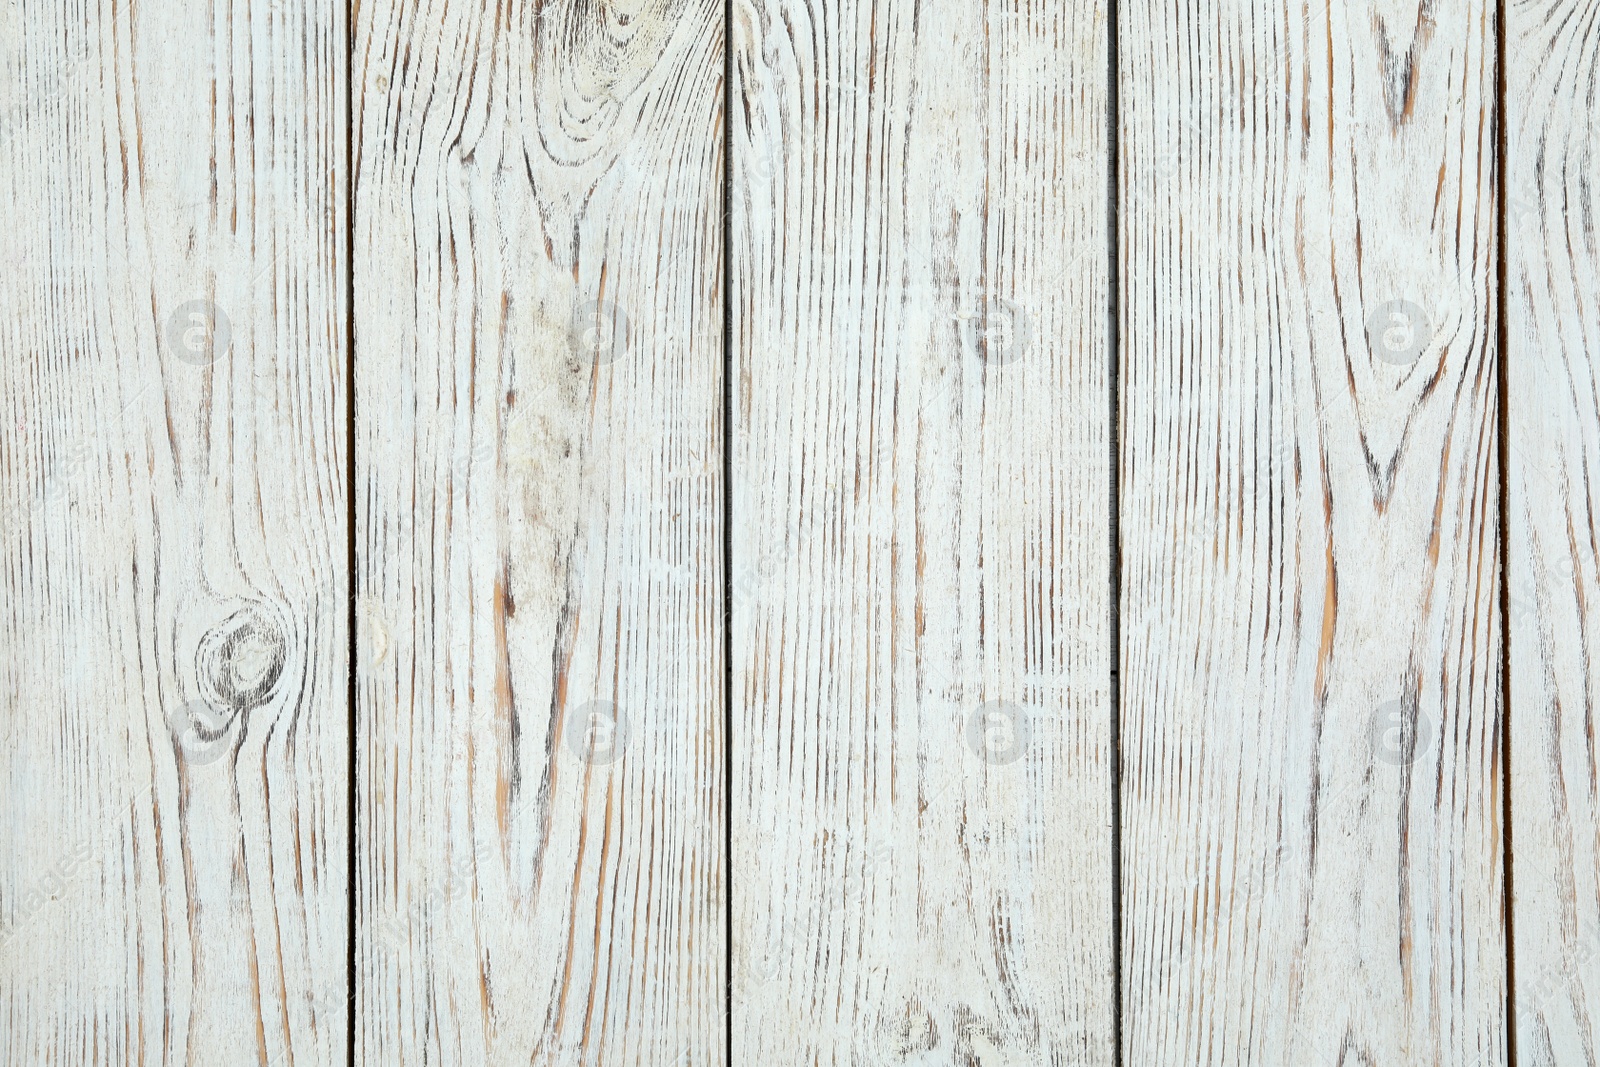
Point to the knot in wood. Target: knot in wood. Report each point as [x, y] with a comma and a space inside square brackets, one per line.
[241, 660]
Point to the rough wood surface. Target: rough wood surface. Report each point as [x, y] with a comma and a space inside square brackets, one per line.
[920, 513]
[1311, 650]
[1553, 353]
[539, 355]
[173, 588]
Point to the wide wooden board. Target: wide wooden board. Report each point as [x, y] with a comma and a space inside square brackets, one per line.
[1553, 416]
[1311, 659]
[920, 510]
[173, 499]
[539, 355]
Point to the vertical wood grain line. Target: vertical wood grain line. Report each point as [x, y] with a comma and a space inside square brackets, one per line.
[727, 530]
[350, 521]
[1503, 426]
[1113, 457]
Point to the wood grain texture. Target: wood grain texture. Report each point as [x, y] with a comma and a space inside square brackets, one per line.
[173, 588]
[1553, 338]
[1311, 657]
[920, 514]
[539, 357]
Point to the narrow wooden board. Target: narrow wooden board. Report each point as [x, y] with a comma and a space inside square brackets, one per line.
[1553, 414]
[920, 512]
[173, 588]
[1310, 485]
[539, 366]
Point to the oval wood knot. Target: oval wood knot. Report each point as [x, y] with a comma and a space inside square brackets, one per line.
[240, 660]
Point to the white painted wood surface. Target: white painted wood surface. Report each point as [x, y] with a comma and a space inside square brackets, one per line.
[540, 760]
[1311, 659]
[173, 586]
[920, 511]
[1553, 341]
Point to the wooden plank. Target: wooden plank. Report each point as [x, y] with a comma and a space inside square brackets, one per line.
[539, 366]
[1311, 660]
[921, 641]
[173, 588]
[1553, 416]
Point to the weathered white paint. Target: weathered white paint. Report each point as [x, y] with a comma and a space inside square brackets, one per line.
[541, 874]
[1553, 339]
[920, 510]
[1311, 634]
[173, 588]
